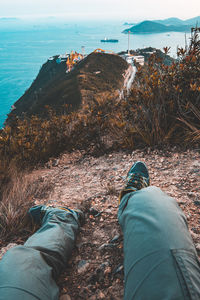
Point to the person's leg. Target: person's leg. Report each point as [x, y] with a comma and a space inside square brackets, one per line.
[29, 271]
[160, 260]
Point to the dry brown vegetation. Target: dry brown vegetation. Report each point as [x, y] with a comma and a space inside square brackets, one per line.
[18, 195]
[162, 109]
[15, 202]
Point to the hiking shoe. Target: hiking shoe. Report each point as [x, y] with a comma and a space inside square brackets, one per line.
[137, 178]
[37, 212]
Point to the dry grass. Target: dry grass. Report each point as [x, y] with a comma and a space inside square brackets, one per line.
[161, 97]
[193, 129]
[17, 198]
[111, 189]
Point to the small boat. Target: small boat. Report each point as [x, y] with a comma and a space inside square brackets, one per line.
[106, 40]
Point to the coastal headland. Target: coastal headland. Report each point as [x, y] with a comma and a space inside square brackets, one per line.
[94, 75]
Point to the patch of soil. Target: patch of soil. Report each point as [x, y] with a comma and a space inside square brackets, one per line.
[95, 270]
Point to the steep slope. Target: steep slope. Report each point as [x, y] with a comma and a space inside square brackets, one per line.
[96, 74]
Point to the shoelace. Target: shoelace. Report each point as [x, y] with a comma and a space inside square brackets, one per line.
[136, 180]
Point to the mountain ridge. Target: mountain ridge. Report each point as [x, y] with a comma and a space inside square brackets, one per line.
[177, 21]
[155, 27]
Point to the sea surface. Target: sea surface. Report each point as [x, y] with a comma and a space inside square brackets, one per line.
[25, 47]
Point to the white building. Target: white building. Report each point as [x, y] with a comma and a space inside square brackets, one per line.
[139, 59]
[131, 58]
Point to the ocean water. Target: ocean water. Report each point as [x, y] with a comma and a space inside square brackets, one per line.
[25, 47]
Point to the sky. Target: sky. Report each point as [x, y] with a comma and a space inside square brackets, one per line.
[128, 10]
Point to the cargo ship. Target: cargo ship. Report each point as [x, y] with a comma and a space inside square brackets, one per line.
[106, 40]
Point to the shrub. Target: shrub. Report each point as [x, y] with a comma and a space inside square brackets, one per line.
[163, 107]
[16, 199]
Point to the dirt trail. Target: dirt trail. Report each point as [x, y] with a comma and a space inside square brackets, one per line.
[95, 270]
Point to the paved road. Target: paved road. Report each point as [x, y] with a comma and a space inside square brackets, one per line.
[131, 77]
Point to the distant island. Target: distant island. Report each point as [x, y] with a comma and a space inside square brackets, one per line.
[153, 27]
[129, 24]
[8, 19]
[166, 25]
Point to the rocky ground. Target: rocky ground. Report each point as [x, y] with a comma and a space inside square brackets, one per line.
[95, 270]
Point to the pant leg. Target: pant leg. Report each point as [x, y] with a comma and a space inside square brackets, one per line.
[28, 272]
[160, 260]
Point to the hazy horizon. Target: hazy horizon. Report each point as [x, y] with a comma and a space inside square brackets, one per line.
[28, 22]
[100, 10]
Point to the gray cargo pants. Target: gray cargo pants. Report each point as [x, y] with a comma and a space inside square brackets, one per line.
[28, 272]
[160, 260]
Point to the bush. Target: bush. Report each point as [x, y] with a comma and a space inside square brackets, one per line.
[163, 107]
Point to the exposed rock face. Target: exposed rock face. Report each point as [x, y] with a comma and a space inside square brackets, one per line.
[96, 74]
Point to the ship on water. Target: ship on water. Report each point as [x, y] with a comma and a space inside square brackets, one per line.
[106, 40]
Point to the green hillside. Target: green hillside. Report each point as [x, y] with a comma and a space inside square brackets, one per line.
[154, 27]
